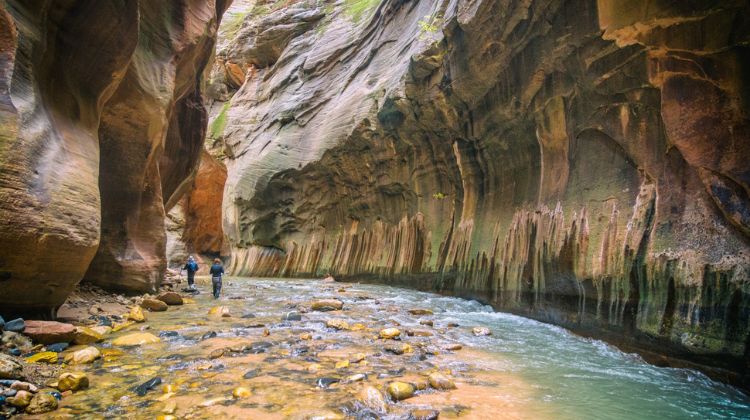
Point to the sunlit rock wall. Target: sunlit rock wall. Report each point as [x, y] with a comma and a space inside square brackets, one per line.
[580, 162]
[101, 120]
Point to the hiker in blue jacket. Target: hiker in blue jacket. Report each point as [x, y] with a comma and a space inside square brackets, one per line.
[191, 267]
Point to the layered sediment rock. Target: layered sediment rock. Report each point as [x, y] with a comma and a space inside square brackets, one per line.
[580, 162]
[101, 120]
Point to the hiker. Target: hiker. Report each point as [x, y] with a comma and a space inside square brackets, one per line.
[329, 278]
[191, 267]
[217, 271]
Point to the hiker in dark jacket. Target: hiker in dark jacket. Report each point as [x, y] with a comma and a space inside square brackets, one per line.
[191, 267]
[217, 271]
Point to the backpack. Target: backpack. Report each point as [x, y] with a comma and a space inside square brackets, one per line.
[193, 266]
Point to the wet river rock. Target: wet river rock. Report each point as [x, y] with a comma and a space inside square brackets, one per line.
[48, 332]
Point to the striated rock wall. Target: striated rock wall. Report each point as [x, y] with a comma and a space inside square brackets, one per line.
[101, 120]
[580, 162]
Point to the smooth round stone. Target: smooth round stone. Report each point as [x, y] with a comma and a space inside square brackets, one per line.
[222, 311]
[440, 381]
[241, 392]
[136, 339]
[400, 349]
[389, 333]
[102, 329]
[400, 390]
[292, 316]
[80, 357]
[154, 305]
[215, 354]
[16, 325]
[325, 305]
[171, 298]
[371, 397]
[419, 312]
[481, 331]
[338, 324]
[72, 381]
[21, 399]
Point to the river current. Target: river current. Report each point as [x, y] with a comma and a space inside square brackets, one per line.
[524, 369]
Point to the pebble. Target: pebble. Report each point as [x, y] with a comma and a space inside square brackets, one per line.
[440, 381]
[327, 305]
[222, 311]
[400, 390]
[326, 382]
[136, 339]
[427, 322]
[251, 374]
[399, 349]
[342, 364]
[147, 386]
[17, 325]
[217, 353]
[453, 347]
[72, 381]
[102, 330]
[338, 324]
[357, 357]
[420, 312]
[241, 392]
[389, 333]
[481, 331]
[355, 378]
[57, 347]
[305, 336]
[24, 386]
[210, 334]
[423, 414]
[292, 316]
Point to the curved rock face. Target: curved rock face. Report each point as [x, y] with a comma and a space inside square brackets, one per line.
[92, 94]
[580, 162]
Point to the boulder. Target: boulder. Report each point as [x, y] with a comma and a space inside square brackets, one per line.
[49, 332]
[42, 402]
[72, 381]
[171, 298]
[136, 339]
[9, 367]
[154, 305]
[327, 305]
[85, 335]
[84, 356]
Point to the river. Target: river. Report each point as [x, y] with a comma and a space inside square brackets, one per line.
[524, 369]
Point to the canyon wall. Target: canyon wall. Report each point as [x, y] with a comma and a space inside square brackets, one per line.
[101, 121]
[580, 162]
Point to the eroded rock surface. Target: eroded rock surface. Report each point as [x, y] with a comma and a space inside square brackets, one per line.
[101, 120]
[579, 162]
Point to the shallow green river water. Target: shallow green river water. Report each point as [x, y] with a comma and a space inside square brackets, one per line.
[525, 369]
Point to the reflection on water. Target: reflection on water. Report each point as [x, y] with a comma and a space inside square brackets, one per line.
[304, 369]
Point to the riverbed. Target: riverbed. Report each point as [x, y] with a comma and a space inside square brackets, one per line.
[309, 368]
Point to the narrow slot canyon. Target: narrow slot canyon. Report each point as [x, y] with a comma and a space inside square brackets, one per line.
[397, 209]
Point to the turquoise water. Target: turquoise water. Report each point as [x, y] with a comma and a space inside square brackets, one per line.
[524, 370]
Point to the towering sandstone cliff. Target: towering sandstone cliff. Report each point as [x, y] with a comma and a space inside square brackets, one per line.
[101, 121]
[581, 162]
